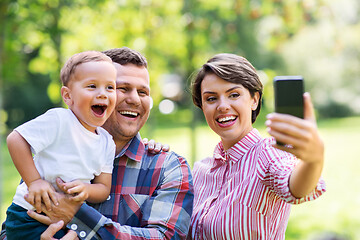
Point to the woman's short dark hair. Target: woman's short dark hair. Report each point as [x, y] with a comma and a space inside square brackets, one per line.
[231, 68]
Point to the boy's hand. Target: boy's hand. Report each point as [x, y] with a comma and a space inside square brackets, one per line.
[77, 189]
[40, 191]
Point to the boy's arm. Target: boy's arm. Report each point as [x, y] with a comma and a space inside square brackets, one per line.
[96, 192]
[21, 155]
[39, 189]
[99, 190]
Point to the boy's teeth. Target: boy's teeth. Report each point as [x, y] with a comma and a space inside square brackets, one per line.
[226, 119]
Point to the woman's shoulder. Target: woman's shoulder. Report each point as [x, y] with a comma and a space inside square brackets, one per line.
[203, 164]
[266, 150]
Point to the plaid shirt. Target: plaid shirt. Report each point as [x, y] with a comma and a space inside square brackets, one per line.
[151, 198]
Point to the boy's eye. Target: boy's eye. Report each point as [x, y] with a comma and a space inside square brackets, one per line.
[110, 87]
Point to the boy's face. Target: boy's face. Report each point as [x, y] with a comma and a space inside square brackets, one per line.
[91, 93]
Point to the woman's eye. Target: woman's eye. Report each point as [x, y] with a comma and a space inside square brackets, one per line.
[234, 95]
[210, 99]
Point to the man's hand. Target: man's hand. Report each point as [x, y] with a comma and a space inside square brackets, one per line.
[53, 228]
[65, 210]
[41, 191]
[156, 147]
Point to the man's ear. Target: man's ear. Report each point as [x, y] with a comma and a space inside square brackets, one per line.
[66, 95]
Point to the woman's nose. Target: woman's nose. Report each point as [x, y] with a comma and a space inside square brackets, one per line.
[223, 105]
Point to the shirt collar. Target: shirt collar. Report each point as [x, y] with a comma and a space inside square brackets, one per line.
[236, 152]
[134, 149]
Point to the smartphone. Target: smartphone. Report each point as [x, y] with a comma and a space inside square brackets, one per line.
[288, 91]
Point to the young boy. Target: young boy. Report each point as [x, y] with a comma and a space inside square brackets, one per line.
[66, 143]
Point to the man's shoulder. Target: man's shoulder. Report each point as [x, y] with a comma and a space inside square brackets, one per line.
[164, 159]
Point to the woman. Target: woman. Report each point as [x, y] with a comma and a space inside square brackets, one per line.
[243, 191]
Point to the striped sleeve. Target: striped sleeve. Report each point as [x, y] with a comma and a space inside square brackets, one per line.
[276, 169]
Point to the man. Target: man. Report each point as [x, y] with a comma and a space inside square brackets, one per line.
[151, 195]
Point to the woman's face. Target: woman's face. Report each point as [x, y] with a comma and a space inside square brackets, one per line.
[227, 108]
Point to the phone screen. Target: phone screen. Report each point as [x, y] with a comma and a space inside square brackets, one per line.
[288, 92]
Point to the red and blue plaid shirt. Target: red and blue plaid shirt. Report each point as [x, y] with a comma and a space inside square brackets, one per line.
[151, 198]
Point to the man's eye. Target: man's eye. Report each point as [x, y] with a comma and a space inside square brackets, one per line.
[121, 89]
[143, 93]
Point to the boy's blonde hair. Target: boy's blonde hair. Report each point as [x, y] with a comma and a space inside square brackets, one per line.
[75, 60]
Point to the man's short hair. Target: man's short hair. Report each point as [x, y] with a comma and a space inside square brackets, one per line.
[75, 60]
[126, 55]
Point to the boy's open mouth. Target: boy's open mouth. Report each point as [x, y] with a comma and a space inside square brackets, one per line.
[99, 109]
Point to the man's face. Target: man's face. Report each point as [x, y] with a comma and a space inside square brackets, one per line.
[133, 103]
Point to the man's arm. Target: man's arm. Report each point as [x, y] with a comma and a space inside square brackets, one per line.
[166, 214]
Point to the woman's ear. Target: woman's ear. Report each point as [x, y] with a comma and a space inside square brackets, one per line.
[255, 101]
[66, 95]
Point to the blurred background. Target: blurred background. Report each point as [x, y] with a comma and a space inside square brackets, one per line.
[318, 39]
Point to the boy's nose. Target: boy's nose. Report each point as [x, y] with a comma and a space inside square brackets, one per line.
[102, 93]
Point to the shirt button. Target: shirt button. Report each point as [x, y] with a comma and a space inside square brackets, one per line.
[108, 198]
[82, 234]
[73, 227]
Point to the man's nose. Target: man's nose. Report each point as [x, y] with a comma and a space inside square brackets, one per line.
[133, 98]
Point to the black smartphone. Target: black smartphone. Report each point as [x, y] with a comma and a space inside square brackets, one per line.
[288, 91]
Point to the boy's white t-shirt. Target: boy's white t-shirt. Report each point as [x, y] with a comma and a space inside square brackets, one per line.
[64, 148]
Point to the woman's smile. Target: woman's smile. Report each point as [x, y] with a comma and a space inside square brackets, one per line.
[226, 121]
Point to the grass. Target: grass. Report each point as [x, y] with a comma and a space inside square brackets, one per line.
[337, 211]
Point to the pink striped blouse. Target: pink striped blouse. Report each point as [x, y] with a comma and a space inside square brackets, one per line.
[243, 193]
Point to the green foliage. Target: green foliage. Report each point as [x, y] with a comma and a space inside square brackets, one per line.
[176, 36]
